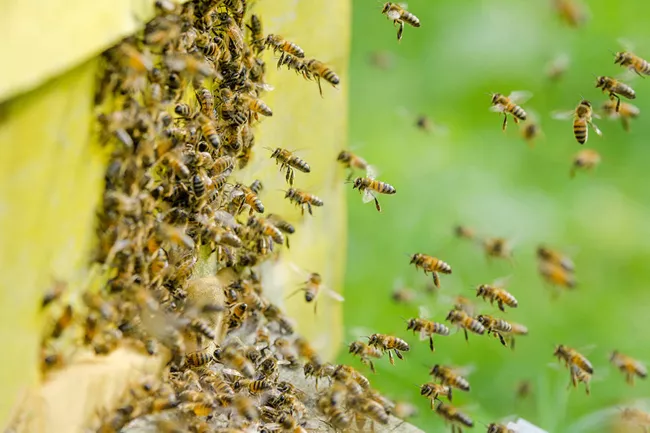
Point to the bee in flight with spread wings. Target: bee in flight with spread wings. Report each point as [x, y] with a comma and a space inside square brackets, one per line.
[582, 116]
[510, 105]
[313, 286]
[370, 187]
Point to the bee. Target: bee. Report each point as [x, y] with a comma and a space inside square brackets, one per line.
[430, 264]
[63, 322]
[313, 286]
[237, 315]
[285, 349]
[257, 106]
[509, 105]
[248, 197]
[433, 390]
[632, 62]
[253, 386]
[582, 116]
[579, 375]
[557, 67]
[573, 357]
[464, 232]
[302, 199]
[174, 235]
[625, 112]
[337, 415]
[530, 132]
[279, 44]
[282, 225]
[615, 88]
[257, 34]
[177, 165]
[320, 70]
[370, 408]
[463, 320]
[524, 389]
[452, 415]
[399, 15]
[306, 351]
[449, 376]
[557, 275]
[200, 326]
[628, 366]
[549, 255]
[230, 356]
[183, 110]
[245, 407]
[206, 101]
[266, 228]
[495, 326]
[497, 247]
[571, 12]
[499, 428]
[496, 294]
[388, 343]
[198, 359]
[517, 329]
[190, 64]
[352, 161]
[365, 352]
[464, 304]
[426, 328]
[289, 161]
[370, 186]
[209, 132]
[53, 293]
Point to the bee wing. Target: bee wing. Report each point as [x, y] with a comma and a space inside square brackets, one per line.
[423, 312]
[403, 5]
[334, 295]
[563, 115]
[403, 112]
[298, 270]
[498, 108]
[626, 44]
[502, 282]
[464, 370]
[595, 128]
[627, 75]
[372, 172]
[595, 115]
[368, 196]
[520, 96]
[360, 332]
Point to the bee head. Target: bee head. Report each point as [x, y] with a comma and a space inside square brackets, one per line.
[620, 57]
[410, 324]
[425, 388]
[218, 353]
[493, 428]
[559, 349]
[355, 346]
[373, 339]
[290, 193]
[480, 290]
[414, 258]
[496, 97]
[435, 369]
[613, 355]
[600, 82]
[586, 103]
[343, 156]
[387, 6]
[357, 183]
[452, 314]
[309, 296]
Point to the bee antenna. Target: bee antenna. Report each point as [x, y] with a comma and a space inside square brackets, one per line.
[268, 148]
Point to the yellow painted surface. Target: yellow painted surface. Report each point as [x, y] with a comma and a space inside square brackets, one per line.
[51, 173]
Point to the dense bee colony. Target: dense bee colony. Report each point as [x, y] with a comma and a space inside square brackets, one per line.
[176, 107]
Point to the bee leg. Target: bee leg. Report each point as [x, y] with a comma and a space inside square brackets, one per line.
[466, 336]
[400, 31]
[390, 358]
[320, 89]
[315, 305]
[512, 343]
[377, 205]
[505, 121]
[500, 303]
[431, 344]
[286, 240]
[372, 366]
[618, 100]
[449, 394]
[626, 124]
[399, 355]
[302, 209]
[309, 208]
[501, 339]
[587, 388]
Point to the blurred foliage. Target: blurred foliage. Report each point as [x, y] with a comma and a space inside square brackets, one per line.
[479, 176]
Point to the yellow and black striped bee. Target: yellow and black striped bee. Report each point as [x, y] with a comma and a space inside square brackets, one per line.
[370, 186]
[495, 326]
[626, 111]
[433, 390]
[352, 161]
[628, 366]
[586, 159]
[245, 195]
[302, 199]
[509, 105]
[206, 102]
[466, 322]
[197, 359]
[452, 415]
[632, 62]
[257, 34]
[615, 88]
[388, 343]
[572, 357]
[400, 15]
[320, 70]
[426, 328]
[496, 294]
[431, 264]
[209, 131]
[582, 116]
[289, 161]
[499, 428]
[279, 44]
[365, 352]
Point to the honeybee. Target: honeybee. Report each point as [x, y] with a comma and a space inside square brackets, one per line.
[63, 322]
[370, 408]
[632, 62]
[230, 356]
[524, 389]
[337, 415]
[579, 375]
[430, 264]
[552, 256]
[493, 293]
[572, 357]
[626, 111]
[206, 101]
[452, 415]
[499, 428]
[426, 328]
[246, 407]
[615, 88]
[464, 232]
[557, 67]
[289, 161]
[388, 343]
[257, 34]
[285, 349]
[495, 326]
[399, 15]
[517, 329]
[464, 304]
[365, 352]
[174, 235]
[466, 322]
[313, 286]
[302, 199]
[209, 132]
[530, 132]
[54, 293]
[248, 197]
[557, 275]
[197, 359]
[497, 247]
[586, 159]
[353, 161]
[402, 294]
[282, 225]
[570, 11]
[370, 186]
[320, 70]
[266, 228]
[279, 44]
[509, 105]
[581, 118]
[306, 351]
[628, 366]
[433, 390]
[256, 106]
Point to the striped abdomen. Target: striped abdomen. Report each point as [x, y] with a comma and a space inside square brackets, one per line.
[473, 325]
[253, 201]
[501, 325]
[331, 77]
[624, 90]
[580, 130]
[198, 186]
[382, 187]
[438, 265]
[516, 111]
[411, 19]
[197, 359]
[506, 298]
[298, 164]
[435, 328]
[312, 199]
[457, 382]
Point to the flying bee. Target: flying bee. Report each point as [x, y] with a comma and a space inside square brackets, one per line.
[430, 264]
[494, 293]
[279, 44]
[531, 130]
[302, 199]
[464, 232]
[352, 161]
[499, 428]
[572, 357]
[426, 328]
[579, 375]
[517, 329]
[461, 303]
[509, 105]
[388, 343]
[452, 415]
[399, 15]
[632, 62]
[557, 275]
[495, 326]
[626, 111]
[256, 106]
[433, 390]
[288, 161]
[313, 286]
[370, 186]
[628, 366]
[498, 248]
[246, 407]
[402, 294]
[549, 255]
[370, 408]
[320, 70]
[462, 320]
[257, 34]
[615, 88]
[557, 67]
[282, 225]
[365, 352]
[582, 116]
[586, 159]
[266, 228]
[571, 12]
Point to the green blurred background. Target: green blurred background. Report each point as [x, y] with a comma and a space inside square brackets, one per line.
[492, 181]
